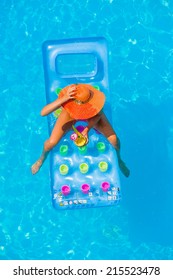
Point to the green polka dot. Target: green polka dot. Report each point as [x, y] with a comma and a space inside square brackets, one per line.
[57, 112]
[84, 167]
[58, 90]
[82, 150]
[63, 169]
[101, 147]
[96, 87]
[63, 150]
[103, 166]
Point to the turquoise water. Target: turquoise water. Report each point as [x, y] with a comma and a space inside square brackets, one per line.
[140, 39]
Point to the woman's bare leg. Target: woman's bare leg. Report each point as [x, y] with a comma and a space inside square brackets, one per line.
[62, 125]
[106, 129]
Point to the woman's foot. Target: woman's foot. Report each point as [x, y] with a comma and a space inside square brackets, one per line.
[123, 168]
[36, 166]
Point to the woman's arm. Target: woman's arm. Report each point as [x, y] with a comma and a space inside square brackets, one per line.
[52, 106]
[58, 102]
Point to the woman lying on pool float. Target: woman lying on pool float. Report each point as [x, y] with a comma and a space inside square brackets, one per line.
[79, 102]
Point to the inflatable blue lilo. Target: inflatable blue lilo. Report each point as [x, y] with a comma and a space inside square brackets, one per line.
[81, 176]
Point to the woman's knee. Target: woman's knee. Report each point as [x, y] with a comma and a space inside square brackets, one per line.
[114, 140]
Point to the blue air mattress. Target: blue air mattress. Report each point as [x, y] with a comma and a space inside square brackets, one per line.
[81, 177]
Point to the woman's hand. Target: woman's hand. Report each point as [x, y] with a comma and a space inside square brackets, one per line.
[70, 94]
[49, 108]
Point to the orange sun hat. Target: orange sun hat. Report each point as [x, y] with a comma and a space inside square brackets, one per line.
[87, 102]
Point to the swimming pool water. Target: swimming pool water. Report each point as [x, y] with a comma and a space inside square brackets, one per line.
[139, 35]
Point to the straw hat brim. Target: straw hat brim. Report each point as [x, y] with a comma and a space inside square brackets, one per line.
[86, 110]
